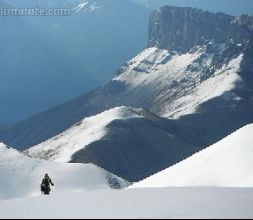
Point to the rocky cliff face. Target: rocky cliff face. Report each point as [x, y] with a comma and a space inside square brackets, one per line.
[181, 29]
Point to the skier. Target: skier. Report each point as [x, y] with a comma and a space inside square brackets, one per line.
[45, 185]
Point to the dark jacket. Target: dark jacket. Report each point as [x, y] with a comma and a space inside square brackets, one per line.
[45, 185]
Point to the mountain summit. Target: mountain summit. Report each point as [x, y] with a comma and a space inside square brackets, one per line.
[181, 29]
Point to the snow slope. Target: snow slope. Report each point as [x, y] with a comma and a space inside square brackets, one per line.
[21, 176]
[63, 146]
[174, 84]
[227, 163]
[136, 204]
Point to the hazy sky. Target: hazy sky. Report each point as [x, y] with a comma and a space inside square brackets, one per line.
[234, 7]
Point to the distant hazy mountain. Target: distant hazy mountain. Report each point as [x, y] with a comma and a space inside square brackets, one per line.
[233, 7]
[48, 60]
[37, 71]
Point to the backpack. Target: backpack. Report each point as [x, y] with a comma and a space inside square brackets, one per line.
[42, 187]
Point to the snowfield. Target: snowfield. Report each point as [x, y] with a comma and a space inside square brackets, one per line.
[202, 187]
[227, 163]
[63, 146]
[21, 176]
[177, 203]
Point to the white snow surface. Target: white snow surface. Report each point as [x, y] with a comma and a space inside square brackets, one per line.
[176, 89]
[21, 176]
[82, 192]
[227, 163]
[201, 203]
[63, 146]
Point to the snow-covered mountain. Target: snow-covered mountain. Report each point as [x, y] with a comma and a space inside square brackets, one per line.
[174, 85]
[89, 6]
[124, 141]
[227, 163]
[196, 79]
[198, 67]
[64, 146]
[21, 176]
